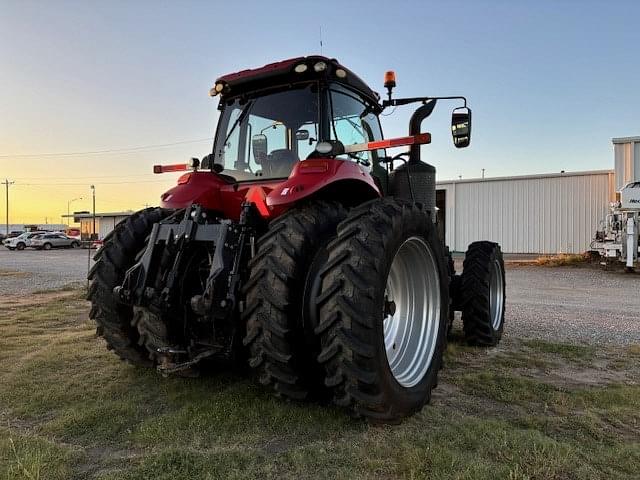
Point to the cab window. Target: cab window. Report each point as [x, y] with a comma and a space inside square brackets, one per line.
[275, 133]
[353, 123]
[265, 136]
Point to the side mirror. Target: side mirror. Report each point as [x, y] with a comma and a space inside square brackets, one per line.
[302, 135]
[461, 127]
[259, 147]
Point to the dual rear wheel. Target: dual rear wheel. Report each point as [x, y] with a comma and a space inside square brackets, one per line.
[350, 308]
[355, 308]
[383, 310]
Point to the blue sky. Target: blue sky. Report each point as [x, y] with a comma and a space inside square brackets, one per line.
[549, 82]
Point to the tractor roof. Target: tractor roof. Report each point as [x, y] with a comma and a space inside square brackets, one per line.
[288, 71]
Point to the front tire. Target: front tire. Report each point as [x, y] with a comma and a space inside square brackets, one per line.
[483, 294]
[20, 246]
[280, 339]
[47, 246]
[383, 310]
[118, 254]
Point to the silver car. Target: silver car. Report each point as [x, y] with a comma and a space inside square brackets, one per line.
[48, 241]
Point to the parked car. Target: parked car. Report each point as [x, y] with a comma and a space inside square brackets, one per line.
[48, 241]
[21, 241]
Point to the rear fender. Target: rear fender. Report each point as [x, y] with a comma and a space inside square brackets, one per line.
[214, 193]
[342, 180]
[202, 188]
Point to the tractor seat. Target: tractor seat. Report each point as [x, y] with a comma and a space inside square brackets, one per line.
[280, 162]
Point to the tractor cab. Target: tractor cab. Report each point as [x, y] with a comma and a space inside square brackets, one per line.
[308, 115]
[275, 116]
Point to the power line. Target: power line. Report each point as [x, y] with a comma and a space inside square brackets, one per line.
[67, 177]
[107, 151]
[65, 184]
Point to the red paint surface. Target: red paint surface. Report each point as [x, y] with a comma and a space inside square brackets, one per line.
[310, 176]
[214, 193]
[284, 65]
[271, 197]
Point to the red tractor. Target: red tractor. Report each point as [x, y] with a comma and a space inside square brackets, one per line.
[300, 247]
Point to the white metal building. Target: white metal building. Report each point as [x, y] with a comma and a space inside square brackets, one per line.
[105, 222]
[552, 213]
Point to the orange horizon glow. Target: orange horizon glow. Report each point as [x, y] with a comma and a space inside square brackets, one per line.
[35, 198]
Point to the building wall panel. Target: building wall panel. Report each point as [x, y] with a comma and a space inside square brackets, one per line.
[533, 214]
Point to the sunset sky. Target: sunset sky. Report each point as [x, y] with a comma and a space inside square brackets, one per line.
[550, 83]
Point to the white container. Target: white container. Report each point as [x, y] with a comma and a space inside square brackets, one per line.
[630, 196]
[627, 161]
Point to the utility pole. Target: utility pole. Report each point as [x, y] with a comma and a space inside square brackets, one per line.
[93, 188]
[483, 173]
[6, 186]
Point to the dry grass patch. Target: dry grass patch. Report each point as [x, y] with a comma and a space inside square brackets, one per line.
[14, 273]
[562, 259]
[557, 260]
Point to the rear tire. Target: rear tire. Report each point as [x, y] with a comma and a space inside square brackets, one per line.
[117, 255]
[386, 251]
[483, 294]
[280, 339]
[47, 246]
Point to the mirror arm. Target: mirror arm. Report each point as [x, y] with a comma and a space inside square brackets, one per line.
[396, 102]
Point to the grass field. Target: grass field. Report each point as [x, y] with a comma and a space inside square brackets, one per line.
[527, 410]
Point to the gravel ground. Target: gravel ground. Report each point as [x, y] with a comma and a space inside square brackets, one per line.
[572, 304]
[40, 270]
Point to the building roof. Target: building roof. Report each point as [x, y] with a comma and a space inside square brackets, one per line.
[625, 140]
[99, 215]
[527, 177]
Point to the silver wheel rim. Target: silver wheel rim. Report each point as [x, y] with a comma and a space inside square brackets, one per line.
[412, 312]
[496, 293]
